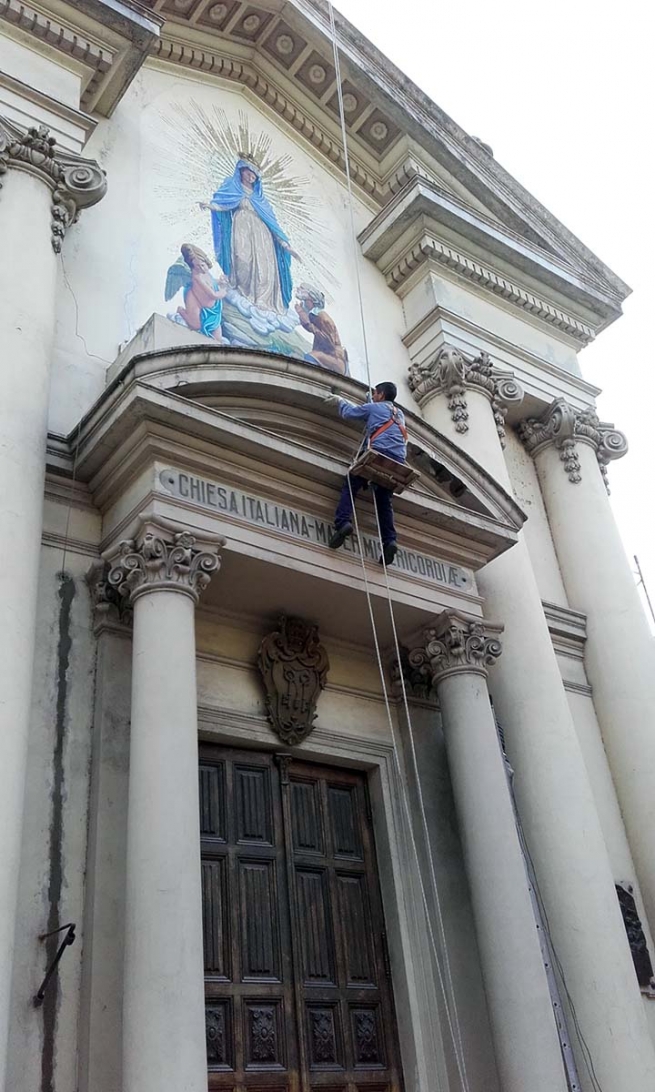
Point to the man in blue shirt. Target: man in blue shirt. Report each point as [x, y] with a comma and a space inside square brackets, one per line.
[386, 433]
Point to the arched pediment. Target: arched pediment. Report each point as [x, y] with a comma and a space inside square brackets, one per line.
[281, 397]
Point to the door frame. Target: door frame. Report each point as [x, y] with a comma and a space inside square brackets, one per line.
[416, 990]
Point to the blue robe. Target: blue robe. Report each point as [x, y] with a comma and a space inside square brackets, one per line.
[229, 196]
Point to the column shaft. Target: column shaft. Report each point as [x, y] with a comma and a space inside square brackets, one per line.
[27, 291]
[620, 651]
[525, 1039]
[556, 804]
[163, 1007]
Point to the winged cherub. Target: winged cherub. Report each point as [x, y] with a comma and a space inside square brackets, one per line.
[203, 294]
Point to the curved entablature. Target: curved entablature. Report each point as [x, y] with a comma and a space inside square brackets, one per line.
[280, 396]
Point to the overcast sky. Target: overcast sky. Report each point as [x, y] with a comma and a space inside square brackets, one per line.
[562, 92]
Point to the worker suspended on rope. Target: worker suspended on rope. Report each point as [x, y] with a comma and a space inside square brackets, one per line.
[386, 434]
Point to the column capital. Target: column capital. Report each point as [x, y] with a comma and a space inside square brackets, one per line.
[455, 645]
[75, 182]
[564, 427]
[451, 373]
[162, 560]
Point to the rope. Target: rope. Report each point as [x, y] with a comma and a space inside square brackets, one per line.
[453, 1025]
[351, 201]
[448, 995]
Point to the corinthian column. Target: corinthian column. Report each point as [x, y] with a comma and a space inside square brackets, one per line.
[42, 191]
[163, 1000]
[571, 450]
[455, 655]
[554, 796]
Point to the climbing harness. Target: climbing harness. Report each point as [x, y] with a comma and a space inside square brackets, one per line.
[379, 468]
[445, 981]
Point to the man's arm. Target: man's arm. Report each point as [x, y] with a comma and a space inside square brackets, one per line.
[347, 409]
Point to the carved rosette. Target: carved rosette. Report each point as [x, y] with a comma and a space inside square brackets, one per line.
[565, 427]
[155, 563]
[456, 645]
[76, 183]
[451, 373]
[293, 666]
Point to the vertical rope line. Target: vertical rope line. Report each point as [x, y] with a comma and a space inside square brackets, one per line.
[454, 1034]
[351, 200]
[456, 1037]
[426, 833]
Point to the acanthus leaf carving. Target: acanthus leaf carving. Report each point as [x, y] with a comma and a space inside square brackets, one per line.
[456, 644]
[294, 666]
[564, 426]
[76, 183]
[174, 563]
[451, 373]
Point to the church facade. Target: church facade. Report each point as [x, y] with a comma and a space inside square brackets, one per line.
[273, 816]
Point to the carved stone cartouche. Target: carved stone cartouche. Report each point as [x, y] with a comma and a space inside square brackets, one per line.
[76, 183]
[294, 667]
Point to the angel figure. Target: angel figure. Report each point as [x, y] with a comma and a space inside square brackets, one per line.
[203, 294]
[249, 243]
[327, 349]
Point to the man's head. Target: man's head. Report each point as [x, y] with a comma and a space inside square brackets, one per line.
[385, 392]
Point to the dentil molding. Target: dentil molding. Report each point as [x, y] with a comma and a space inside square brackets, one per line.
[451, 373]
[565, 427]
[161, 561]
[456, 645]
[76, 183]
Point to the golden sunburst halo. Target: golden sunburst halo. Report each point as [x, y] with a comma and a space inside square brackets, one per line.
[198, 148]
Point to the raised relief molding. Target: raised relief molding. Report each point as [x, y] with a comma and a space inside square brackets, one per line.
[412, 682]
[456, 645]
[450, 373]
[76, 183]
[428, 249]
[161, 561]
[564, 427]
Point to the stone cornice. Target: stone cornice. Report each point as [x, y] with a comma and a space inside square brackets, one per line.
[76, 183]
[329, 143]
[456, 645]
[110, 41]
[160, 560]
[451, 373]
[564, 427]
[411, 232]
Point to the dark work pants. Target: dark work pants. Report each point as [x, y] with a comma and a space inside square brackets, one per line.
[383, 498]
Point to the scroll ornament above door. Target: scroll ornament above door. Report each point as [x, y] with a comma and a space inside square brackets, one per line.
[294, 667]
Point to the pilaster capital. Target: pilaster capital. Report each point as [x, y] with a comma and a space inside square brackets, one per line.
[456, 645]
[75, 182]
[159, 560]
[111, 610]
[451, 373]
[564, 427]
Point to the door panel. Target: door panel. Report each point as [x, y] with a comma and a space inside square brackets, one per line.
[296, 980]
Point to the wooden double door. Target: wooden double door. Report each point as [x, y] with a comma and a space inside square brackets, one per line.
[297, 986]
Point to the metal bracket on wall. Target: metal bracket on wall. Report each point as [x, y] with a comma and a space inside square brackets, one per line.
[68, 939]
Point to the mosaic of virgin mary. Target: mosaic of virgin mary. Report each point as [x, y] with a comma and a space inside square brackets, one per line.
[250, 246]
[257, 216]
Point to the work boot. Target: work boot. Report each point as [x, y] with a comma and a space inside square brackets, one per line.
[389, 551]
[340, 535]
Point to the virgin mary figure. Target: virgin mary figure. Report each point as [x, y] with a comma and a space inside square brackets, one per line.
[249, 244]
